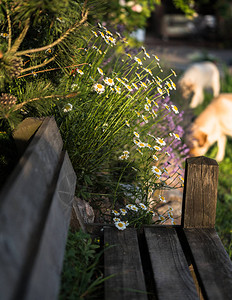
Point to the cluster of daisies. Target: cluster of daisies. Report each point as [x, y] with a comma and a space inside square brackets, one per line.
[135, 79]
[139, 213]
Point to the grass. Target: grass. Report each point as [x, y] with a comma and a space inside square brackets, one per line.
[82, 277]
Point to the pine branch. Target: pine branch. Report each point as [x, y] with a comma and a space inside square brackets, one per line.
[53, 69]
[20, 105]
[59, 40]
[38, 66]
[21, 37]
[9, 26]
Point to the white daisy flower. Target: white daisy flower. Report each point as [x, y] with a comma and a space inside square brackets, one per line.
[134, 208]
[123, 211]
[115, 212]
[141, 144]
[123, 157]
[127, 124]
[175, 109]
[181, 178]
[147, 55]
[143, 84]
[68, 107]
[156, 104]
[128, 87]
[117, 89]
[135, 86]
[159, 90]
[146, 107]
[145, 119]
[173, 72]
[167, 107]
[160, 141]
[109, 81]
[176, 136]
[129, 55]
[140, 151]
[138, 75]
[129, 206]
[154, 157]
[154, 112]
[99, 88]
[157, 148]
[102, 34]
[126, 152]
[94, 32]
[111, 39]
[79, 71]
[162, 218]
[156, 171]
[162, 199]
[138, 60]
[148, 101]
[120, 225]
[143, 206]
[136, 134]
[100, 71]
[116, 219]
[156, 57]
[167, 153]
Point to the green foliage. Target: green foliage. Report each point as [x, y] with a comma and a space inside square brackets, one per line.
[81, 276]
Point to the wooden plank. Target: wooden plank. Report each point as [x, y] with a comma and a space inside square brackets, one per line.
[45, 277]
[123, 260]
[23, 202]
[24, 131]
[212, 263]
[200, 193]
[170, 269]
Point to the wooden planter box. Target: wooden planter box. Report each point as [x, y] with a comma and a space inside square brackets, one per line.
[35, 210]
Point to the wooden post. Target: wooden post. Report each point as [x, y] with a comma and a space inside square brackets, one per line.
[200, 193]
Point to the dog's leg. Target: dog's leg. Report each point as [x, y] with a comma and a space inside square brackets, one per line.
[197, 99]
[221, 147]
[216, 85]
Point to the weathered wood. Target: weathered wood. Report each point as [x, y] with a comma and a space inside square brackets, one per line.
[212, 263]
[170, 269]
[123, 260]
[25, 130]
[23, 202]
[200, 193]
[45, 276]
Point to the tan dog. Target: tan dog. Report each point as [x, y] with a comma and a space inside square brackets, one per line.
[198, 77]
[212, 125]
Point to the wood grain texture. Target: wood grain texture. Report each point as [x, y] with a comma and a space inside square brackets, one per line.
[123, 260]
[200, 193]
[170, 269]
[23, 202]
[24, 131]
[211, 262]
[45, 276]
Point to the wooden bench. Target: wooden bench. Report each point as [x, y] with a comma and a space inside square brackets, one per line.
[35, 208]
[173, 262]
[158, 262]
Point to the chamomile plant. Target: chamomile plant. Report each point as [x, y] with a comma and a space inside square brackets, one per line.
[119, 106]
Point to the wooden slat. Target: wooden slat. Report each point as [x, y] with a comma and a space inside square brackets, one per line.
[45, 276]
[170, 269]
[123, 260]
[200, 193]
[212, 263]
[22, 205]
